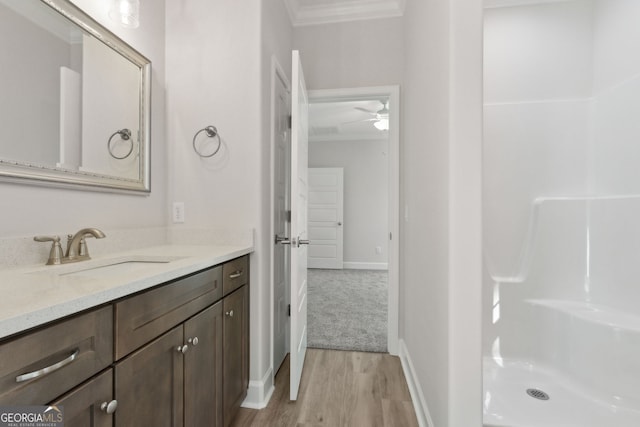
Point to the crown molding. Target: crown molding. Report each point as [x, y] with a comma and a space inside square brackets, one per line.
[302, 14]
[495, 4]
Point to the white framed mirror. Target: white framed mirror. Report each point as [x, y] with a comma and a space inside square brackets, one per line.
[75, 104]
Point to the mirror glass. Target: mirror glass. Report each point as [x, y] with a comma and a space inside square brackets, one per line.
[75, 100]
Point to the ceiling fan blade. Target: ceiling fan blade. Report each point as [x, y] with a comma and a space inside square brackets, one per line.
[359, 121]
[365, 110]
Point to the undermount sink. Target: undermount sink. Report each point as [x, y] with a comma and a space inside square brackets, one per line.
[110, 267]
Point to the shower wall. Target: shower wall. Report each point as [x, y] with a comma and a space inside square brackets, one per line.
[562, 127]
[616, 94]
[538, 84]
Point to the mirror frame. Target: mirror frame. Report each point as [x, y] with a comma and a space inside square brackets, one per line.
[34, 173]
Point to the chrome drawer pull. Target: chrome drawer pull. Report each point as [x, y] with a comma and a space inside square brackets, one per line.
[235, 274]
[48, 369]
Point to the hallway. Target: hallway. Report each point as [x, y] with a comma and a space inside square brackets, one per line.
[338, 389]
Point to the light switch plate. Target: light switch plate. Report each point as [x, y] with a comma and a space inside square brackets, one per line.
[178, 212]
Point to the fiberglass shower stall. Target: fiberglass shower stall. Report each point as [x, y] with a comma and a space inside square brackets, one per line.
[561, 201]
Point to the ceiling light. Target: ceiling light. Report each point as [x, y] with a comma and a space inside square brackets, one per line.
[125, 12]
[382, 124]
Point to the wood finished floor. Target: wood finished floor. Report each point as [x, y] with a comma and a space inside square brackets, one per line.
[338, 389]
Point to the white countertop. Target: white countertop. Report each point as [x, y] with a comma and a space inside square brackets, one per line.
[32, 296]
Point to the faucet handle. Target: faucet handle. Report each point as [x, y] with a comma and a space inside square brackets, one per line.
[55, 255]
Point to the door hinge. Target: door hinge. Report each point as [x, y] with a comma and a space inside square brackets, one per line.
[289, 121]
[287, 216]
[390, 236]
[289, 310]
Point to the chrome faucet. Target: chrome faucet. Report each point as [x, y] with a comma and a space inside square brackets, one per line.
[77, 249]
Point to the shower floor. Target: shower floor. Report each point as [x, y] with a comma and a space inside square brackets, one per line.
[506, 402]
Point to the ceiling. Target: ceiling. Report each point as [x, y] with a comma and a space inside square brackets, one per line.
[341, 121]
[313, 12]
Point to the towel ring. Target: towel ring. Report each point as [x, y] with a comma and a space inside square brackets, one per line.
[125, 135]
[211, 132]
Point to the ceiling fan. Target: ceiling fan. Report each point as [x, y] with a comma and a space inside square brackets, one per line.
[379, 118]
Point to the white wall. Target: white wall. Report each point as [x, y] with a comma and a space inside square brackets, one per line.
[424, 257]
[29, 210]
[366, 187]
[441, 249]
[352, 54]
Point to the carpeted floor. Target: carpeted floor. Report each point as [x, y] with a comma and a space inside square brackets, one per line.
[347, 309]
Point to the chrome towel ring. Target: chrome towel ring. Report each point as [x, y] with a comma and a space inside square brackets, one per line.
[125, 135]
[212, 132]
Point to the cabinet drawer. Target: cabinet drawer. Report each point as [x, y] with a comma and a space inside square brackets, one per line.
[235, 274]
[40, 366]
[141, 318]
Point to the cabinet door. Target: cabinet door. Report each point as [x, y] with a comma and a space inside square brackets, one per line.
[203, 369]
[82, 406]
[149, 384]
[235, 351]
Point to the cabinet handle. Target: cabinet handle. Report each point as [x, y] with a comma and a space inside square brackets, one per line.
[193, 341]
[236, 274]
[182, 348]
[44, 371]
[229, 313]
[109, 407]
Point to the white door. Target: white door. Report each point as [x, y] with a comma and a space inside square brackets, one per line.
[299, 237]
[282, 164]
[326, 204]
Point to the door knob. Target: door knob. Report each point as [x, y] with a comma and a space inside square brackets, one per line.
[182, 348]
[229, 313]
[282, 240]
[303, 242]
[193, 341]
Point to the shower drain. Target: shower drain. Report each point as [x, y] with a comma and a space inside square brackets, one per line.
[537, 394]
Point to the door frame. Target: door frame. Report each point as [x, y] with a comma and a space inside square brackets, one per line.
[393, 92]
[277, 73]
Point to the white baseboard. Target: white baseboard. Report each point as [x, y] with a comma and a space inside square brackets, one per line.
[259, 392]
[366, 265]
[417, 396]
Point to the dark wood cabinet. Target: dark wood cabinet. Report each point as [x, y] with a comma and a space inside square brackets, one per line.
[149, 384]
[91, 404]
[235, 351]
[42, 365]
[141, 318]
[203, 369]
[175, 355]
[198, 373]
[176, 380]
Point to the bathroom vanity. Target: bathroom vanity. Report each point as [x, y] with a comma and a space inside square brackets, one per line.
[163, 344]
